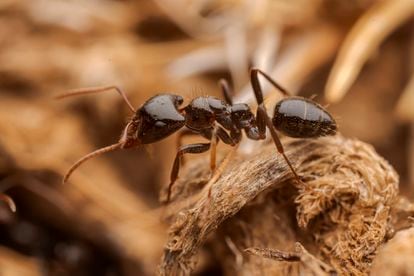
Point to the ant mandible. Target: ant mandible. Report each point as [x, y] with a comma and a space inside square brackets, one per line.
[215, 120]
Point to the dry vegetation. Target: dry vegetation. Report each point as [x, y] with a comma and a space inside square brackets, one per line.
[353, 213]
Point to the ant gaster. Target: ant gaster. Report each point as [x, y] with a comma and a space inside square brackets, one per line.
[215, 120]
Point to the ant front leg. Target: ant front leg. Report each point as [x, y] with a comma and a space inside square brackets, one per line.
[181, 134]
[268, 122]
[213, 151]
[184, 133]
[192, 148]
[218, 134]
[263, 119]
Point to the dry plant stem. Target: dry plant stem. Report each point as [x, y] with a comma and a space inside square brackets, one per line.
[237, 57]
[190, 232]
[311, 263]
[264, 55]
[197, 62]
[343, 206]
[275, 254]
[404, 108]
[405, 112]
[296, 64]
[264, 223]
[365, 37]
[214, 57]
[190, 21]
[411, 155]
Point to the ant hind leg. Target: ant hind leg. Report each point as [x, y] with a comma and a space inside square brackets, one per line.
[262, 117]
[276, 140]
[191, 148]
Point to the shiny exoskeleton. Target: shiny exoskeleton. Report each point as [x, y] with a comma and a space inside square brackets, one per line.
[216, 120]
[302, 118]
[293, 116]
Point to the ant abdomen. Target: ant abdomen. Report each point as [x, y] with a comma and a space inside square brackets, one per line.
[302, 118]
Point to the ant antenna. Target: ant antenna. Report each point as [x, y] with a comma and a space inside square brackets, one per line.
[98, 89]
[89, 156]
[8, 201]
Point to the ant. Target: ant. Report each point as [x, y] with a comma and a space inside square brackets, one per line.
[216, 120]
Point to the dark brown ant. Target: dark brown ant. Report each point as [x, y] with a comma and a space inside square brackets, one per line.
[215, 120]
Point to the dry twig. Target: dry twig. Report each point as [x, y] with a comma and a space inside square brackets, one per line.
[365, 37]
[344, 205]
[311, 265]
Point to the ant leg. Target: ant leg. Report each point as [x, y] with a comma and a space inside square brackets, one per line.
[257, 89]
[183, 133]
[225, 137]
[220, 169]
[263, 119]
[213, 151]
[276, 139]
[192, 148]
[226, 90]
[254, 78]
[98, 89]
[220, 134]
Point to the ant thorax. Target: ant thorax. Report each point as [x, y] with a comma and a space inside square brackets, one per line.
[202, 112]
